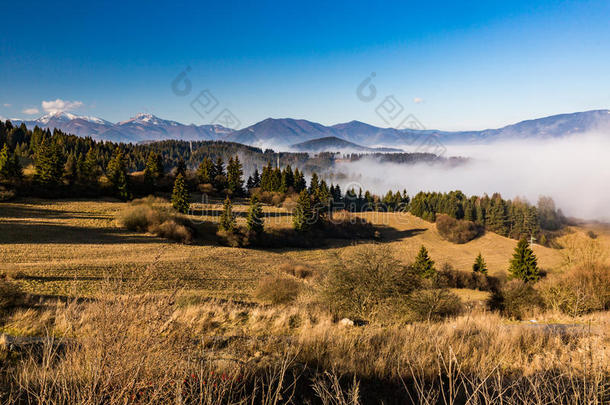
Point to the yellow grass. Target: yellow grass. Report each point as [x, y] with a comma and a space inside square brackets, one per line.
[67, 247]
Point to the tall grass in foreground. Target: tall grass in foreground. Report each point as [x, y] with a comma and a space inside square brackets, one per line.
[133, 346]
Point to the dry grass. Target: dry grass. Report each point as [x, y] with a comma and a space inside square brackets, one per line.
[176, 323]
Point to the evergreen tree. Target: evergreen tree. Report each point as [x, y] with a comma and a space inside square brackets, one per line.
[497, 219]
[90, 168]
[303, 213]
[117, 174]
[10, 168]
[71, 170]
[287, 179]
[234, 176]
[205, 172]
[180, 195]
[255, 220]
[220, 179]
[314, 183]
[256, 179]
[154, 168]
[181, 168]
[299, 181]
[479, 265]
[227, 219]
[49, 164]
[524, 265]
[423, 265]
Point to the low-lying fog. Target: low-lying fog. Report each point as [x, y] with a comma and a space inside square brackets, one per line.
[575, 171]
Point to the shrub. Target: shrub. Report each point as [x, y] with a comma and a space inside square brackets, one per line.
[455, 230]
[448, 277]
[515, 299]
[433, 304]
[150, 215]
[278, 290]
[297, 270]
[578, 291]
[361, 284]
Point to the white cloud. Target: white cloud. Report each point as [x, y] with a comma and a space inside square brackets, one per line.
[59, 105]
[30, 111]
[418, 100]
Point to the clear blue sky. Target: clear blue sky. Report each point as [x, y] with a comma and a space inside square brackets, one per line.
[454, 65]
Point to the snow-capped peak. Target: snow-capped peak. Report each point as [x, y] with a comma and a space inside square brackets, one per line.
[66, 116]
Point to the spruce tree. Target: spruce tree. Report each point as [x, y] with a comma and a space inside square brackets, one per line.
[423, 265]
[154, 168]
[479, 265]
[524, 265]
[90, 169]
[49, 164]
[313, 184]
[227, 219]
[303, 213]
[10, 168]
[205, 172]
[234, 176]
[255, 220]
[180, 195]
[71, 170]
[181, 168]
[299, 181]
[220, 179]
[117, 174]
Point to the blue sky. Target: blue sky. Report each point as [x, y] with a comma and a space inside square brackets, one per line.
[453, 65]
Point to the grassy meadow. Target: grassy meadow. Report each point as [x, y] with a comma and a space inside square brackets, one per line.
[127, 317]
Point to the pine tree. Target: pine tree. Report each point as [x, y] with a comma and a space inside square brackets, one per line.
[479, 265]
[117, 174]
[154, 168]
[181, 168]
[205, 172]
[227, 219]
[524, 265]
[90, 169]
[287, 179]
[299, 181]
[234, 176]
[303, 213]
[180, 195]
[255, 220]
[256, 179]
[220, 179]
[71, 170]
[423, 265]
[10, 168]
[497, 219]
[49, 164]
[313, 184]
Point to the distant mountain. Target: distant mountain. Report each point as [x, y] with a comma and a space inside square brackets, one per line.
[334, 144]
[284, 132]
[142, 127]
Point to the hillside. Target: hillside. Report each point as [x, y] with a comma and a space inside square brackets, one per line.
[68, 247]
[334, 144]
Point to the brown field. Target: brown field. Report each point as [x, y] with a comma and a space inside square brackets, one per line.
[167, 317]
[67, 247]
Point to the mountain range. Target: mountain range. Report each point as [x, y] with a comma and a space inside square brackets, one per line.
[285, 132]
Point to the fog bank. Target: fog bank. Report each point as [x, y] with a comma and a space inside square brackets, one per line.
[575, 171]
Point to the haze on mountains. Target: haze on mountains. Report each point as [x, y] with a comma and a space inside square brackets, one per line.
[280, 134]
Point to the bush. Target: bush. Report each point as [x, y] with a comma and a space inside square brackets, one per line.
[448, 277]
[515, 299]
[297, 270]
[578, 291]
[433, 304]
[150, 215]
[360, 285]
[455, 230]
[278, 290]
